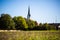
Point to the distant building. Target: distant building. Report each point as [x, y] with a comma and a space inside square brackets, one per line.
[28, 16]
[57, 25]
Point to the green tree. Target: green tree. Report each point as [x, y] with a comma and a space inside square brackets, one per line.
[49, 27]
[30, 23]
[20, 22]
[6, 22]
[46, 26]
[40, 24]
[36, 23]
[40, 27]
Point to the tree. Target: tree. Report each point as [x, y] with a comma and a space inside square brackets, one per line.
[30, 23]
[46, 26]
[6, 22]
[49, 27]
[40, 26]
[20, 22]
[36, 24]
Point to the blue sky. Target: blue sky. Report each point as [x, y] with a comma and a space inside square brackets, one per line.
[43, 11]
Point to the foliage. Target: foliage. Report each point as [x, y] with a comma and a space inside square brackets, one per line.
[36, 23]
[30, 23]
[6, 22]
[20, 22]
[46, 26]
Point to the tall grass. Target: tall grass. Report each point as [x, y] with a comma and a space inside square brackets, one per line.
[30, 35]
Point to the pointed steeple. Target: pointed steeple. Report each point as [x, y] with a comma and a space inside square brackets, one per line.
[28, 16]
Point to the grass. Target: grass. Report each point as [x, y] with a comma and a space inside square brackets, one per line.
[30, 35]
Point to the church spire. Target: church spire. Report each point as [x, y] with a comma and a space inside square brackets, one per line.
[28, 16]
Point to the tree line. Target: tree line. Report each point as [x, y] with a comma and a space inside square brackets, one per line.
[21, 23]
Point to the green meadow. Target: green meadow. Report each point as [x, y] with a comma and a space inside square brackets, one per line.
[30, 35]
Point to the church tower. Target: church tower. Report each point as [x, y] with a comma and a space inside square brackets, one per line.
[28, 15]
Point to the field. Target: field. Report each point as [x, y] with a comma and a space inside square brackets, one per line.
[29, 35]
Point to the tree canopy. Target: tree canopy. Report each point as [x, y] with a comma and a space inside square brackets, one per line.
[21, 23]
[6, 22]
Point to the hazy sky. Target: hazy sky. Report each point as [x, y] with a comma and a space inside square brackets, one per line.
[41, 10]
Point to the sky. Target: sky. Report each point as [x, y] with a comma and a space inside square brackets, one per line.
[42, 11]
